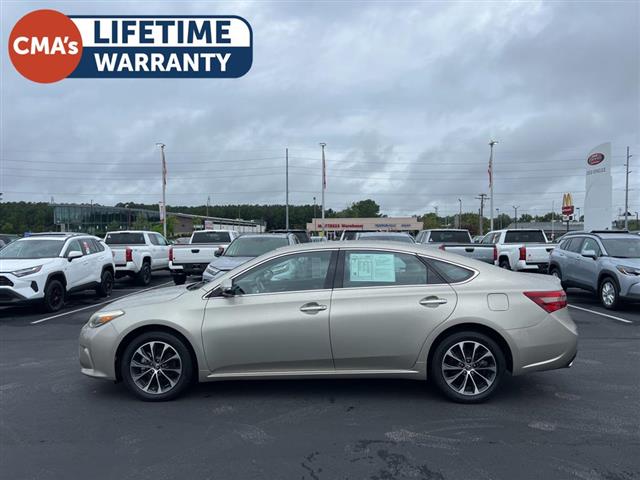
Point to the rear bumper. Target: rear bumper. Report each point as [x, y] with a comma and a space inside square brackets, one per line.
[187, 268]
[129, 268]
[550, 344]
[532, 266]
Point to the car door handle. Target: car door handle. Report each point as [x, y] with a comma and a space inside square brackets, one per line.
[432, 301]
[312, 308]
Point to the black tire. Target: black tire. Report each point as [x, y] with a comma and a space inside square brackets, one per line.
[609, 286]
[504, 263]
[143, 277]
[485, 389]
[53, 296]
[185, 363]
[106, 284]
[555, 272]
[179, 279]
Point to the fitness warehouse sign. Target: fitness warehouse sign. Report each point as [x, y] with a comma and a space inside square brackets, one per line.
[47, 46]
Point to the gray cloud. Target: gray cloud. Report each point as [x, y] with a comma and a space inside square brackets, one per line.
[406, 95]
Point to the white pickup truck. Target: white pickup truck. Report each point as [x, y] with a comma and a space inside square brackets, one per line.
[456, 241]
[193, 258]
[137, 253]
[521, 250]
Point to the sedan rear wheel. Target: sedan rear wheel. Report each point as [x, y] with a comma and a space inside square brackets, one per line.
[467, 367]
[156, 366]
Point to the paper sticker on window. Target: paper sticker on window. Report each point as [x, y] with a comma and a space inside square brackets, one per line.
[371, 267]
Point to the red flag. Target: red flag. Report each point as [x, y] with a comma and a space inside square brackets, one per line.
[164, 171]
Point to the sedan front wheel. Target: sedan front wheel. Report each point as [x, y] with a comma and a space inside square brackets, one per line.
[156, 366]
[467, 367]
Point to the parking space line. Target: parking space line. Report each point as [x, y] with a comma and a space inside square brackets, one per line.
[600, 313]
[96, 304]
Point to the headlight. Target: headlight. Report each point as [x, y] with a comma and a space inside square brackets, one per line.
[27, 271]
[100, 318]
[628, 270]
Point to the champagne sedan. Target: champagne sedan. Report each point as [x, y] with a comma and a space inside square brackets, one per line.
[338, 309]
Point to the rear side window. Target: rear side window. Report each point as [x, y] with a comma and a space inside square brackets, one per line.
[491, 238]
[154, 239]
[574, 245]
[525, 236]
[124, 238]
[378, 269]
[452, 273]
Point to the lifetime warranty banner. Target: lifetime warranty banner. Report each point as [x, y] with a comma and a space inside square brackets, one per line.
[47, 46]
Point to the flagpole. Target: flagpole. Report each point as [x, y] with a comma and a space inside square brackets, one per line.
[491, 144]
[324, 186]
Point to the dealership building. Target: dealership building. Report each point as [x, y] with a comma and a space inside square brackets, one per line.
[334, 226]
[98, 219]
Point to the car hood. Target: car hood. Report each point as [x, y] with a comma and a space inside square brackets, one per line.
[229, 263]
[629, 262]
[150, 297]
[12, 264]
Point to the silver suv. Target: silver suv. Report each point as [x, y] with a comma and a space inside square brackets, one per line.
[606, 263]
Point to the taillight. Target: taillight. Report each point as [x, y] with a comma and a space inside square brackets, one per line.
[523, 253]
[128, 255]
[495, 254]
[549, 301]
[171, 254]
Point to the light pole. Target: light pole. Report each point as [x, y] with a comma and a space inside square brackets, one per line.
[315, 222]
[499, 219]
[208, 202]
[491, 144]
[578, 209]
[516, 214]
[460, 213]
[286, 169]
[164, 189]
[324, 186]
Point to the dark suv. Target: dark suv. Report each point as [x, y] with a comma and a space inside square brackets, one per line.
[604, 262]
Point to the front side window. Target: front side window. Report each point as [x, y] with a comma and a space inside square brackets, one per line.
[575, 244]
[302, 271]
[87, 247]
[154, 239]
[364, 268]
[590, 245]
[74, 246]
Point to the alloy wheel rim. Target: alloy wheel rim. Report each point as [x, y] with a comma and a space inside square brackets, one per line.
[608, 293]
[469, 368]
[56, 296]
[155, 367]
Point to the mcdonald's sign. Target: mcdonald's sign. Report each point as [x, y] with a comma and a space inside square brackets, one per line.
[567, 204]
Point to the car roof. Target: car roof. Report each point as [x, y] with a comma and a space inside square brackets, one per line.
[269, 234]
[390, 234]
[602, 234]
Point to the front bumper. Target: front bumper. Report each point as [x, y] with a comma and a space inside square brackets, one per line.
[550, 344]
[629, 287]
[96, 351]
[14, 290]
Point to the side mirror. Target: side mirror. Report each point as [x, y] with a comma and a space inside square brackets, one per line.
[590, 254]
[73, 254]
[219, 252]
[228, 290]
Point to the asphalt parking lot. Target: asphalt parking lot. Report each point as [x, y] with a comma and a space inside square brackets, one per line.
[578, 423]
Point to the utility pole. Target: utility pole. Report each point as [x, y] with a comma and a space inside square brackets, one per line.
[460, 213]
[626, 193]
[164, 189]
[286, 211]
[208, 203]
[481, 226]
[516, 209]
[491, 144]
[553, 220]
[499, 219]
[324, 186]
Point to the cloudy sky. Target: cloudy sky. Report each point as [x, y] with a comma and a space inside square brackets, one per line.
[406, 96]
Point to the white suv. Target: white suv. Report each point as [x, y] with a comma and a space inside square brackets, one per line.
[46, 266]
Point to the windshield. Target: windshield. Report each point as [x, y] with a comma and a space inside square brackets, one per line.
[620, 247]
[211, 237]
[254, 246]
[124, 238]
[525, 236]
[388, 238]
[452, 236]
[32, 249]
